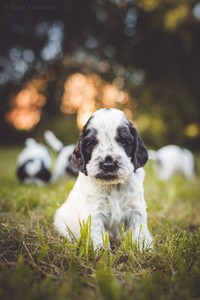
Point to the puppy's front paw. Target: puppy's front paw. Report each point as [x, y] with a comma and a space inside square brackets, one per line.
[101, 246]
[145, 243]
[143, 239]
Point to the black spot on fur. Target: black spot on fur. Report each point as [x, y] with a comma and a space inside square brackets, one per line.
[84, 147]
[139, 153]
[21, 172]
[44, 174]
[125, 139]
[133, 145]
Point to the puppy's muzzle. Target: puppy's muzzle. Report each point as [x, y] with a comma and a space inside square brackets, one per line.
[109, 164]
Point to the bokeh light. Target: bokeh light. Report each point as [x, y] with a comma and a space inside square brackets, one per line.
[85, 93]
[26, 106]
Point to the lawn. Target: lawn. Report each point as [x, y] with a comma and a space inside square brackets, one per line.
[35, 263]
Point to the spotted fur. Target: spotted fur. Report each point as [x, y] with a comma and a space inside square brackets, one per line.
[110, 156]
[33, 164]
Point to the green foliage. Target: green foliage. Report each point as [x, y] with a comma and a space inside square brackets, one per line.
[150, 47]
[36, 263]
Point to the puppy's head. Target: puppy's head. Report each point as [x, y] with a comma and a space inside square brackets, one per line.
[109, 147]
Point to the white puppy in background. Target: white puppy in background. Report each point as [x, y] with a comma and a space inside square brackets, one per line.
[170, 160]
[109, 189]
[63, 165]
[33, 163]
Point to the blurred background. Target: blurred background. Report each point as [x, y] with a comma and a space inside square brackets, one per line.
[62, 60]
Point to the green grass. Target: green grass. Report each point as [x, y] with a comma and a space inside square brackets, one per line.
[35, 263]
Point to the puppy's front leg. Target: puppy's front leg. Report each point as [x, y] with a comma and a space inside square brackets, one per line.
[141, 234]
[97, 232]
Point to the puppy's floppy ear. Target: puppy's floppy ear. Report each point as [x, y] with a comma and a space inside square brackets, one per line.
[139, 153]
[79, 158]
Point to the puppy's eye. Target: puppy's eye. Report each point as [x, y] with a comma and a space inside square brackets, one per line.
[125, 142]
[92, 143]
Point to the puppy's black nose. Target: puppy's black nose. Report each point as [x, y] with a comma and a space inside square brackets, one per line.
[109, 164]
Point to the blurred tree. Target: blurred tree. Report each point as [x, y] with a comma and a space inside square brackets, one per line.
[150, 48]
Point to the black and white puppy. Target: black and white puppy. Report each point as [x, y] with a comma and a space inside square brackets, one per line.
[63, 164]
[109, 189]
[33, 163]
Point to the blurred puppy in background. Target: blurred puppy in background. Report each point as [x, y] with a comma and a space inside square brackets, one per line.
[170, 160]
[63, 165]
[33, 163]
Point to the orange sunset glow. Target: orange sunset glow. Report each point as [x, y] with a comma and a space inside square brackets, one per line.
[26, 105]
[83, 94]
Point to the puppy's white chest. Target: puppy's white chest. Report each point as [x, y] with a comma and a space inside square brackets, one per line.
[115, 210]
